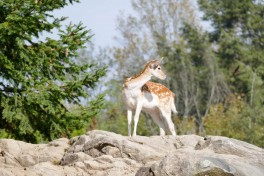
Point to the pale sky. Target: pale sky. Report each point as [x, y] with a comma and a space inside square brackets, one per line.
[99, 16]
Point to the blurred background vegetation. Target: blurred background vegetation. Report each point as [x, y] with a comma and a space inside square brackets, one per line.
[214, 59]
[214, 62]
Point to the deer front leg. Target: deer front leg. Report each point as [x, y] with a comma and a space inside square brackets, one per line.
[136, 117]
[129, 120]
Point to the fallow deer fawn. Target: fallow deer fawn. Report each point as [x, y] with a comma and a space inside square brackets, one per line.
[153, 98]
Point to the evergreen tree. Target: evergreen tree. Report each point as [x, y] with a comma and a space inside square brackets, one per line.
[238, 33]
[38, 78]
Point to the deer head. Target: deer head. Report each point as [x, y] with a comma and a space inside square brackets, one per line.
[155, 69]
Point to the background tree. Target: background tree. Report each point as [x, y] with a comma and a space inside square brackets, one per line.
[238, 34]
[39, 78]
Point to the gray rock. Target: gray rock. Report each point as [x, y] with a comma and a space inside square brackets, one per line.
[106, 153]
[216, 156]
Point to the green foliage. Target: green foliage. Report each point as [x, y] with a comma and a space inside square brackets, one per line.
[38, 78]
[233, 119]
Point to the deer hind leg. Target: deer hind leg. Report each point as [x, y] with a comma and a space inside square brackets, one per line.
[166, 115]
[156, 117]
[129, 120]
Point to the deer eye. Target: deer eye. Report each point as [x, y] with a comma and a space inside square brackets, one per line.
[159, 68]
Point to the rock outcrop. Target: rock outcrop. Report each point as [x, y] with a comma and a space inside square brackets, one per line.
[105, 153]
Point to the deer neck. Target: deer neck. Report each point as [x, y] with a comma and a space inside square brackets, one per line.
[138, 81]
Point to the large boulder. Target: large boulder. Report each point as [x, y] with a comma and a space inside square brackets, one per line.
[215, 155]
[107, 153]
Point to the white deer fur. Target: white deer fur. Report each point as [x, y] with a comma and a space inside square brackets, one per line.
[153, 98]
